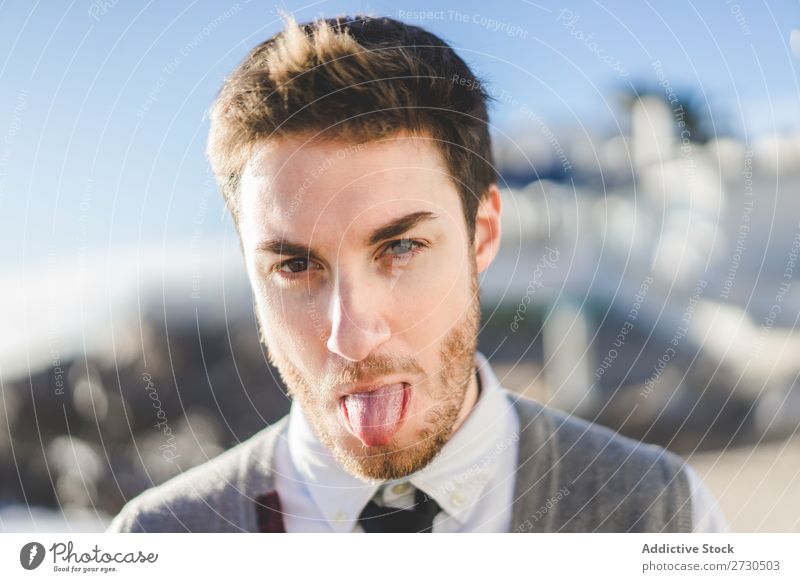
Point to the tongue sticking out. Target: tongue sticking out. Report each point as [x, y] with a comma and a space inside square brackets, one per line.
[375, 416]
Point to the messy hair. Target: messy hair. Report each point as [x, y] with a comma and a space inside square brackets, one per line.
[359, 79]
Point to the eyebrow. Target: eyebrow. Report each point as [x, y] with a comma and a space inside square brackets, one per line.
[392, 229]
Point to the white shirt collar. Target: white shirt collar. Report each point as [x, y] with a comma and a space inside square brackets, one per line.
[455, 478]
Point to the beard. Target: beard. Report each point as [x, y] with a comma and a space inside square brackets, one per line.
[449, 388]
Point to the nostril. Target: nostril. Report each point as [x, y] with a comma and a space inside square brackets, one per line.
[356, 327]
[355, 343]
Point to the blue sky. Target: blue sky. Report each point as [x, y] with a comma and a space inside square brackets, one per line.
[103, 125]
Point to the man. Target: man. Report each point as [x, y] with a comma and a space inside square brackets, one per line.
[354, 155]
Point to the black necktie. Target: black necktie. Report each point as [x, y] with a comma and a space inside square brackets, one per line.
[378, 519]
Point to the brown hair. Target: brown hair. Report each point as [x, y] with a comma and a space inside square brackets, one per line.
[358, 79]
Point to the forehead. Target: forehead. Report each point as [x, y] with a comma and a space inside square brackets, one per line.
[311, 189]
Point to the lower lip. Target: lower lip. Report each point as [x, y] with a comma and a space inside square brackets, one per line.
[404, 411]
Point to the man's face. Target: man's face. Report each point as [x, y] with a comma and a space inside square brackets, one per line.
[366, 292]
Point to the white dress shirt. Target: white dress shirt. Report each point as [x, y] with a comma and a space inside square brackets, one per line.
[472, 478]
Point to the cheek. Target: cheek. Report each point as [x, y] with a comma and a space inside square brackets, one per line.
[288, 318]
[429, 303]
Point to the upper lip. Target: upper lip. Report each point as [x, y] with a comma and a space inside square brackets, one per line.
[370, 386]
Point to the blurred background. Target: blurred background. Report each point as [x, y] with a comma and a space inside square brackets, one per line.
[650, 163]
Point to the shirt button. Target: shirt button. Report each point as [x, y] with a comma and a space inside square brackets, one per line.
[457, 498]
[340, 516]
[400, 488]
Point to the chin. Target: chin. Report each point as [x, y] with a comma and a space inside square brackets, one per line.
[388, 462]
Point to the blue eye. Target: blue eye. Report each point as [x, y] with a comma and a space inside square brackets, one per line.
[400, 252]
[404, 246]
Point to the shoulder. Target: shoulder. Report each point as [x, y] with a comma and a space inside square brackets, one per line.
[588, 443]
[218, 495]
[613, 483]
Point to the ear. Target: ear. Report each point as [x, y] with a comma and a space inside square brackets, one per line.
[487, 229]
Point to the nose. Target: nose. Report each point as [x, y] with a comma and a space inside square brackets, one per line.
[357, 322]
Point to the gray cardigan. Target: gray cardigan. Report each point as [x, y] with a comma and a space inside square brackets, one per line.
[572, 476]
